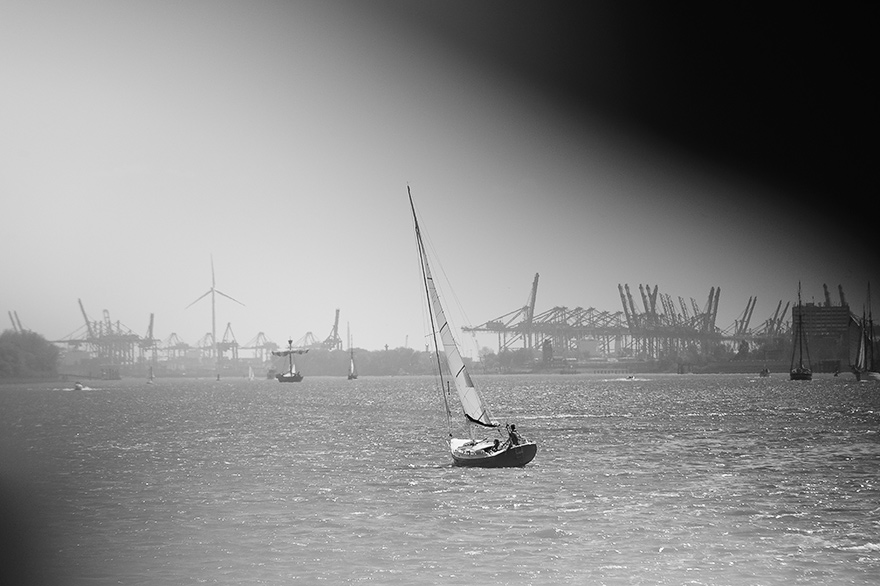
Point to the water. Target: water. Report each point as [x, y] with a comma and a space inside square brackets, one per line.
[665, 480]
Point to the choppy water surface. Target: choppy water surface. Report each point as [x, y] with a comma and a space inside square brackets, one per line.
[665, 480]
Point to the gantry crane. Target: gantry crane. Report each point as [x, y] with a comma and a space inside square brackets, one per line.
[333, 341]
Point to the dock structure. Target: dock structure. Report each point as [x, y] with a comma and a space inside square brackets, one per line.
[653, 331]
[663, 328]
[108, 345]
[661, 331]
[561, 326]
[650, 326]
[656, 327]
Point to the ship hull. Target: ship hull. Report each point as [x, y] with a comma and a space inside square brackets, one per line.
[798, 374]
[289, 378]
[511, 457]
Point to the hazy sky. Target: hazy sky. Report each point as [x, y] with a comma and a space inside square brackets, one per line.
[140, 138]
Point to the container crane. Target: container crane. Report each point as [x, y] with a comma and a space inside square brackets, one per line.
[333, 341]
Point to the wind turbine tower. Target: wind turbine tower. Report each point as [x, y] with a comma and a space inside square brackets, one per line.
[213, 291]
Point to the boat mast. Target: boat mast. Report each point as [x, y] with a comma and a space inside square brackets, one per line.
[423, 260]
[290, 354]
[800, 329]
[869, 335]
[800, 334]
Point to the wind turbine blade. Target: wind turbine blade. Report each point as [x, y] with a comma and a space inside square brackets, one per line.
[208, 292]
[228, 297]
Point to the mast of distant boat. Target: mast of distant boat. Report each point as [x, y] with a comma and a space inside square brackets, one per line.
[869, 336]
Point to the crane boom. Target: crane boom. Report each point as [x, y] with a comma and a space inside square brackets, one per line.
[86, 317]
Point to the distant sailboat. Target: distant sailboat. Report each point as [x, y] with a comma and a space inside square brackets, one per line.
[484, 452]
[292, 375]
[251, 373]
[800, 372]
[352, 367]
[865, 368]
[150, 378]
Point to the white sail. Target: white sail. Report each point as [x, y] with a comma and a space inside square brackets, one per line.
[474, 407]
[861, 362]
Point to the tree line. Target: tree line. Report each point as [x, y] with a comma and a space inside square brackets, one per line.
[26, 355]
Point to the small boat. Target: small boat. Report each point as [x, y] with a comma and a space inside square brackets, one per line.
[292, 375]
[352, 367]
[250, 375]
[483, 452]
[150, 377]
[865, 368]
[765, 372]
[801, 371]
[77, 386]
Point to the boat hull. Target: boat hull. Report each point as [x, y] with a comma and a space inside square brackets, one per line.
[511, 457]
[867, 375]
[289, 378]
[798, 374]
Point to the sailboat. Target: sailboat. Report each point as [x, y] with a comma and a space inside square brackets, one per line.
[865, 368]
[800, 372]
[292, 375]
[352, 367]
[250, 375]
[482, 452]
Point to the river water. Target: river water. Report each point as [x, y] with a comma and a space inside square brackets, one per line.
[666, 479]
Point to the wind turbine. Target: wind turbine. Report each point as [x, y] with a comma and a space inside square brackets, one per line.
[212, 292]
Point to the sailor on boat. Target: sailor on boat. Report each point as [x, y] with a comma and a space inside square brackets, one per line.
[512, 436]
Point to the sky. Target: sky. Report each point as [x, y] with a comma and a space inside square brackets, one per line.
[141, 140]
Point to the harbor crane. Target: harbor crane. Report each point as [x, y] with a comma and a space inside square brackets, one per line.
[148, 343]
[228, 343]
[506, 324]
[333, 341]
[262, 347]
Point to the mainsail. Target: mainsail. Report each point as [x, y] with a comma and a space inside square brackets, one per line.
[474, 408]
[861, 362]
